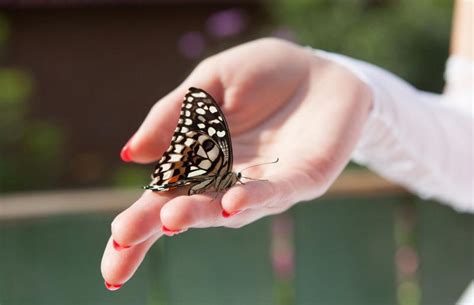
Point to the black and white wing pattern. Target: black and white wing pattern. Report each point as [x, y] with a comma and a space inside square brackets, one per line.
[200, 152]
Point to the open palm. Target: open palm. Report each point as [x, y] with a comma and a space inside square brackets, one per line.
[280, 101]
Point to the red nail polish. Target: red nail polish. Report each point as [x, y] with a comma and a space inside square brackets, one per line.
[125, 153]
[119, 247]
[112, 287]
[170, 232]
[225, 214]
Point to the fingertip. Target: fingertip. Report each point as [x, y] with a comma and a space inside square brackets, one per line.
[248, 195]
[119, 247]
[125, 154]
[177, 215]
[138, 222]
[154, 135]
[225, 214]
[112, 287]
[117, 267]
[194, 211]
[235, 199]
[120, 235]
[149, 145]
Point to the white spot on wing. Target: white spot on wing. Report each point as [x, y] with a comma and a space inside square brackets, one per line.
[211, 131]
[213, 109]
[200, 111]
[221, 133]
[213, 153]
[178, 148]
[202, 138]
[165, 167]
[201, 152]
[179, 138]
[201, 125]
[205, 164]
[184, 129]
[187, 113]
[198, 94]
[200, 104]
[175, 157]
[188, 122]
[197, 173]
[167, 175]
[189, 106]
[189, 142]
[190, 98]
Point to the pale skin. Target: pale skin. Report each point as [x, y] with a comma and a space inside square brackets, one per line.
[280, 100]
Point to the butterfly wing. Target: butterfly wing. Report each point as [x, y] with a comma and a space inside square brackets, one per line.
[200, 148]
[208, 118]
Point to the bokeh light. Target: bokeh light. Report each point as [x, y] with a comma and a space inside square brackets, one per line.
[227, 23]
[191, 45]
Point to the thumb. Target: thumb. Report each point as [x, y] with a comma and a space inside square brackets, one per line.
[154, 135]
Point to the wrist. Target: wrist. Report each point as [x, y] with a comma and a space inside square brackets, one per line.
[350, 78]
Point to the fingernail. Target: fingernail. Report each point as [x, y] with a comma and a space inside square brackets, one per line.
[169, 232]
[125, 153]
[119, 247]
[225, 214]
[112, 287]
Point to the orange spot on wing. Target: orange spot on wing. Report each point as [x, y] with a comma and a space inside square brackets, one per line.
[173, 179]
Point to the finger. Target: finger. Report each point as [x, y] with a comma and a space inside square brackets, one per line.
[142, 219]
[248, 196]
[154, 135]
[118, 267]
[277, 193]
[195, 211]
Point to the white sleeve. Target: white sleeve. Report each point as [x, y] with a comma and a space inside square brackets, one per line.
[419, 140]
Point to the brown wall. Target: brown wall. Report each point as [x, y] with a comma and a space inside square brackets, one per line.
[97, 71]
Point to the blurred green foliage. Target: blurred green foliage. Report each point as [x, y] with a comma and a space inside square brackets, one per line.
[409, 38]
[129, 175]
[30, 150]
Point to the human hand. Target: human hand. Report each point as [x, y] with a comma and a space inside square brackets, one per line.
[280, 100]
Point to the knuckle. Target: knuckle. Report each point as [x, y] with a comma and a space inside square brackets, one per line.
[206, 64]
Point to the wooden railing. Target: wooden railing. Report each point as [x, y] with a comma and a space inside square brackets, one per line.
[66, 202]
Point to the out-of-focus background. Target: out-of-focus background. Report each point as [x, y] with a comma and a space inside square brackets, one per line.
[77, 78]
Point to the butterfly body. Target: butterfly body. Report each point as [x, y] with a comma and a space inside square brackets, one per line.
[200, 153]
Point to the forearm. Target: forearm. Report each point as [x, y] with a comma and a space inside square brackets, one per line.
[417, 139]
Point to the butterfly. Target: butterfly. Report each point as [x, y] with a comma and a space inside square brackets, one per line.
[200, 153]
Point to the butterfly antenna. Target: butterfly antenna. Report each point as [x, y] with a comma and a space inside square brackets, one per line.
[266, 163]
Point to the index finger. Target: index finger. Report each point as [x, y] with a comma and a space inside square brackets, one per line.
[142, 219]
